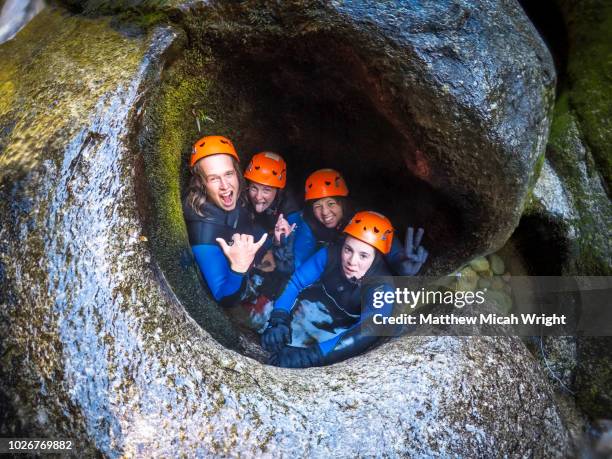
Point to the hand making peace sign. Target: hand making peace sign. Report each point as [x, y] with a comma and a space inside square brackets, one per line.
[415, 254]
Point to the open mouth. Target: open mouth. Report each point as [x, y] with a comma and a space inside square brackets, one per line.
[227, 199]
[261, 206]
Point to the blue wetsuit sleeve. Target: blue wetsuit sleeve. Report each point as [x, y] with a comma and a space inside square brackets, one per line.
[357, 338]
[294, 217]
[306, 275]
[305, 244]
[213, 264]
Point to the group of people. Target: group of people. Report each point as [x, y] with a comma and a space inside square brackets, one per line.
[255, 244]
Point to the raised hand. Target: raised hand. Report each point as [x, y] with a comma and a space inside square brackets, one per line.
[283, 254]
[282, 228]
[415, 254]
[242, 251]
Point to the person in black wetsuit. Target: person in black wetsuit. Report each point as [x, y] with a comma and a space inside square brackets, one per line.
[267, 194]
[326, 212]
[339, 271]
[221, 232]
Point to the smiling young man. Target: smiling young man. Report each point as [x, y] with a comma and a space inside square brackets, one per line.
[220, 232]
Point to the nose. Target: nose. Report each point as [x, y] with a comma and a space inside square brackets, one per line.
[352, 261]
[259, 196]
[223, 183]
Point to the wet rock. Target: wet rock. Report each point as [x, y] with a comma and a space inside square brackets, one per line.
[574, 213]
[14, 14]
[594, 375]
[460, 92]
[589, 25]
[572, 195]
[479, 264]
[497, 283]
[97, 348]
[484, 283]
[497, 264]
[502, 299]
[558, 355]
[467, 280]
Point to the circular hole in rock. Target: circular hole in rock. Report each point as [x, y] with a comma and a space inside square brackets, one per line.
[309, 101]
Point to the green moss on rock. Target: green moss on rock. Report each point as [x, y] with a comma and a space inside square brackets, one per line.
[191, 88]
[570, 157]
[590, 71]
[47, 96]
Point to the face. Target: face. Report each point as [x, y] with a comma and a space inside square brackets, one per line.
[221, 180]
[261, 196]
[357, 257]
[328, 211]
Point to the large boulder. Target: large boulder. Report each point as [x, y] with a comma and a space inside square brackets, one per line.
[96, 346]
[569, 214]
[447, 103]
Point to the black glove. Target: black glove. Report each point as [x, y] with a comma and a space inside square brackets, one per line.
[414, 255]
[283, 254]
[278, 332]
[297, 357]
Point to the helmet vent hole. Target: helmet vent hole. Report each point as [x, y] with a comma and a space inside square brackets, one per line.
[274, 173]
[376, 230]
[327, 183]
[358, 221]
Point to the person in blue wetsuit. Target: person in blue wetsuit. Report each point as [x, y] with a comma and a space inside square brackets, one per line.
[340, 269]
[221, 234]
[325, 214]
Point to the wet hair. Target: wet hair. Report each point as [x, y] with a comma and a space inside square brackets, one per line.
[196, 189]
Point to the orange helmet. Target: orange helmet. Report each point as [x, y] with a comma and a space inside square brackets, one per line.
[267, 168]
[372, 228]
[325, 183]
[212, 145]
